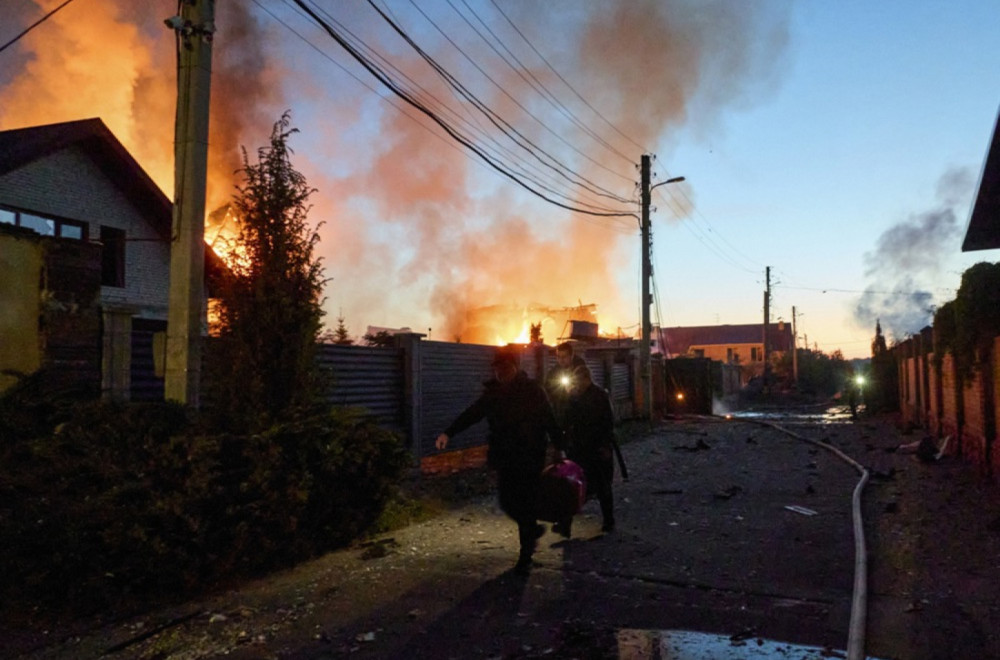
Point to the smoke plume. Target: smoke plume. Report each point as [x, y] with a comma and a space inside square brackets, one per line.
[908, 260]
[415, 231]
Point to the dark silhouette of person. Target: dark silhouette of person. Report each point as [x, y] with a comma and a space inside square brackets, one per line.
[590, 429]
[559, 380]
[520, 422]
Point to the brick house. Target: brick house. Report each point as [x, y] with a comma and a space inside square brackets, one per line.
[72, 189]
[741, 345]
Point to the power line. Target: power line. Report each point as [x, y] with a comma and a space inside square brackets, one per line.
[493, 117]
[566, 82]
[33, 26]
[538, 86]
[523, 167]
[602, 222]
[393, 86]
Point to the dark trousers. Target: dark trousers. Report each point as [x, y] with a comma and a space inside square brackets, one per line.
[518, 493]
[600, 472]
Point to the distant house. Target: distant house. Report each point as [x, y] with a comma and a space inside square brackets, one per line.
[741, 345]
[983, 231]
[86, 237]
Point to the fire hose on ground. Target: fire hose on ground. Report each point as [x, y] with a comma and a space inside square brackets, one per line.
[859, 600]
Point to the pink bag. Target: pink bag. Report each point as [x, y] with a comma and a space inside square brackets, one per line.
[562, 490]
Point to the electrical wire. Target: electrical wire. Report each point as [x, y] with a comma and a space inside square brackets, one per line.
[452, 132]
[33, 26]
[532, 81]
[522, 167]
[493, 117]
[601, 222]
[564, 81]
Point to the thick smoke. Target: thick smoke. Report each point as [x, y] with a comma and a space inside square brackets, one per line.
[415, 231]
[116, 60]
[908, 259]
[649, 67]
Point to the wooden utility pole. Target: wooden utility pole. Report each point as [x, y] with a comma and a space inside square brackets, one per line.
[645, 375]
[767, 330]
[195, 27]
[795, 351]
[645, 359]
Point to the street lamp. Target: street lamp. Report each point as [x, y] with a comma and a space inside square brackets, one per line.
[676, 179]
[645, 367]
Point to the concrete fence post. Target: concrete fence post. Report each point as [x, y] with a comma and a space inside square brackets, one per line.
[413, 418]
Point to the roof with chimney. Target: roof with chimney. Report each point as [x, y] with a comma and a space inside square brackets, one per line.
[983, 231]
[23, 146]
[679, 339]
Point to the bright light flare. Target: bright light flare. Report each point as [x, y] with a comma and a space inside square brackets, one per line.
[859, 379]
[680, 396]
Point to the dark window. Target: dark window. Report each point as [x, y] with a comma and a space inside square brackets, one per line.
[45, 225]
[112, 256]
[71, 230]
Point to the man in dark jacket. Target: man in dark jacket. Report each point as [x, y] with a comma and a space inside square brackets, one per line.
[590, 429]
[560, 379]
[519, 418]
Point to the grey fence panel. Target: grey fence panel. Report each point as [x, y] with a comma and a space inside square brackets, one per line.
[366, 377]
[621, 379]
[452, 377]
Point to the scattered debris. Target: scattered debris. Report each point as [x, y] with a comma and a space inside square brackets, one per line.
[882, 475]
[745, 634]
[378, 549]
[800, 509]
[728, 492]
[698, 446]
[925, 449]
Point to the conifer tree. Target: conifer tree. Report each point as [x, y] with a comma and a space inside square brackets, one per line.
[270, 310]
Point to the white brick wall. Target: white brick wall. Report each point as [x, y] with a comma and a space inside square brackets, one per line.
[68, 184]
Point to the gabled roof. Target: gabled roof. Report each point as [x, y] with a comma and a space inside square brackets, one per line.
[679, 339]
[22, 146]
[983, 231]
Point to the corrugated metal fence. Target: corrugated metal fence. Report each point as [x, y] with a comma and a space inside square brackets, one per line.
[418, 387]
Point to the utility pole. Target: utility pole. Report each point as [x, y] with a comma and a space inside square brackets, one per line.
[195, 27]
[767, 331]
[645, 359]
[795, 351]
[645, 366]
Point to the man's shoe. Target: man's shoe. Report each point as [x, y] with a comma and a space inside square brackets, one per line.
[563, 528]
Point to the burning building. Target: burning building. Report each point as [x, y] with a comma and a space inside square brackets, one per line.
[503, 324]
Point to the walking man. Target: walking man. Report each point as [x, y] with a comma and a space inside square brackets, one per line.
[590, 429]
[560, 379]
[519, 418]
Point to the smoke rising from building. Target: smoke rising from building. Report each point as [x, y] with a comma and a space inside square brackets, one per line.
[907, 262]
[415, 231]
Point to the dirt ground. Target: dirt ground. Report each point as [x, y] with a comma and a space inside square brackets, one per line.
[705, 542]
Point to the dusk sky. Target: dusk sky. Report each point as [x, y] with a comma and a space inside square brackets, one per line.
[839, 144]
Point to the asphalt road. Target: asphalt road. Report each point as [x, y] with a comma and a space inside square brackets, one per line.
[705, 542]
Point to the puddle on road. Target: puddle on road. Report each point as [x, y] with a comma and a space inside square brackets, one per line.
[832, 415]
[687, 645]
